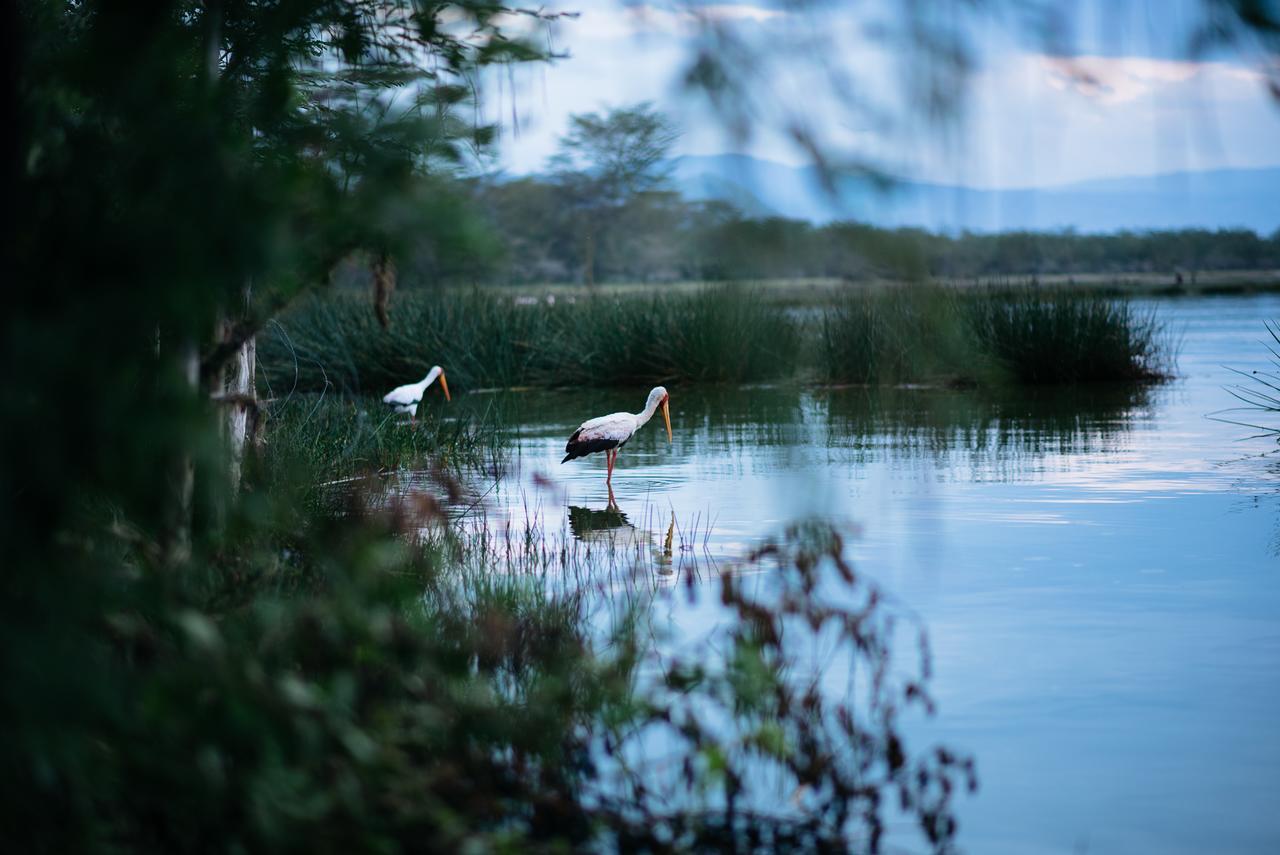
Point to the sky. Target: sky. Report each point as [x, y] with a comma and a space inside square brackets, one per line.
[1128, 101]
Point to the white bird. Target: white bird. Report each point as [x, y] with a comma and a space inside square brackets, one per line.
[405, 399]
[609, 433]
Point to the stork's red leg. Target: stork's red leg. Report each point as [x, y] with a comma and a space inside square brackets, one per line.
[609, 457]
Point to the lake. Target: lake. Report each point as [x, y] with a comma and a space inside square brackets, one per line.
[1096, 568]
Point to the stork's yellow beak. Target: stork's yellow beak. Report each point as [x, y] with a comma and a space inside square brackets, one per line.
[444, 384]
[666, 417]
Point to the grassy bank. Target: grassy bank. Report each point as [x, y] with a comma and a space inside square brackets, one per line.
[819, 291]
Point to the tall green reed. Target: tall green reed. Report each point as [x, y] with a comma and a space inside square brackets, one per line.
[487, 339]
[1029, 336]
[316, 440]
[1055, 337]
[727, 334]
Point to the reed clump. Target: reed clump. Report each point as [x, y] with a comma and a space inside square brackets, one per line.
[1055, 337]
[954, 337]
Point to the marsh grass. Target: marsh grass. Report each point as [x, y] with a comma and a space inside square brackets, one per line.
[1024, 336]
[1054, 337]
[903, 335]
[312, 441]
[486, 339]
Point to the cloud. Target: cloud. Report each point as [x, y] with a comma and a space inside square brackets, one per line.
[1118, 80]
[638, 20]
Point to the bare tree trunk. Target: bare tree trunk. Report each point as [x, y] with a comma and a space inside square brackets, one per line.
[176, 538]
[239, 394]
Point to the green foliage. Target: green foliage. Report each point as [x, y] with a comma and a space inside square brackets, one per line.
[897, 336]
[485, 339]
[612, 157]
[656, 237]
[1059, 337]
[1029, 336]
[606, 164]
[335, 681]
[312, 440]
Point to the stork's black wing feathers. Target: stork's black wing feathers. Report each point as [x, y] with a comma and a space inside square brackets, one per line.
[579, 448]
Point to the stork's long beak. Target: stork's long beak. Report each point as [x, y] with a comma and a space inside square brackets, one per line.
[444, 384]
[666, 417]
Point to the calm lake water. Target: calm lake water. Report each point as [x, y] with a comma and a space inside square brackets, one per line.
[1097, 570]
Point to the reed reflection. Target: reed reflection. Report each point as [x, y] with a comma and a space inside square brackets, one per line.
[1001, 434]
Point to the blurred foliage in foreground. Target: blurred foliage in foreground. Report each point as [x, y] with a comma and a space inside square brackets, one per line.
[191, 668]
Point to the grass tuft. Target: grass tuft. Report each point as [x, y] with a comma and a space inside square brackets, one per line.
[1059, 337]
[1024, 336]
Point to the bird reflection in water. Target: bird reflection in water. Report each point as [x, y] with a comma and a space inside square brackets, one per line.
[585, 522]
[610, 525]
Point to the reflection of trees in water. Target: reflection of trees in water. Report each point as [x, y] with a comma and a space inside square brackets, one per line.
[1001, 432]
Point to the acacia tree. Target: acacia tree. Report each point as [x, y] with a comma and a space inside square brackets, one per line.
[176, 172]
[212, 161]
[605, 161]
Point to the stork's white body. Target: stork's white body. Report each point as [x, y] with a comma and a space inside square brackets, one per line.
[609, 433]
[405, 399]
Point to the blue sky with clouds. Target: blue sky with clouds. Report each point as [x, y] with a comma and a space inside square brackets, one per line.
[1128, 101]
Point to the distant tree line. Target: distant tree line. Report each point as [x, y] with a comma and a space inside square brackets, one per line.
[604, 212]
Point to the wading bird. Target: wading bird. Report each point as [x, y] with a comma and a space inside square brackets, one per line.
[610, 433]
[405, 399]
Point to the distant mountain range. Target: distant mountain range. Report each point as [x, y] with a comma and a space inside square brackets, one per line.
[1222, 198]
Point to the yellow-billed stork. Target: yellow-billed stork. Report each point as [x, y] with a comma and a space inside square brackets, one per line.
[405, 399]
[609, 433]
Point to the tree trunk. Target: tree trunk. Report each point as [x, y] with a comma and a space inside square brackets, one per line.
[239, 395]
[176, 538]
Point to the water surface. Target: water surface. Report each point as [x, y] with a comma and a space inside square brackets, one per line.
[1096, 569]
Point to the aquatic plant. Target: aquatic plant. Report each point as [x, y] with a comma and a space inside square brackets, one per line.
[721, 334]
[310, 440]
[907, 334]
[953, 336]
[1039, 336]
[1260, 394]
